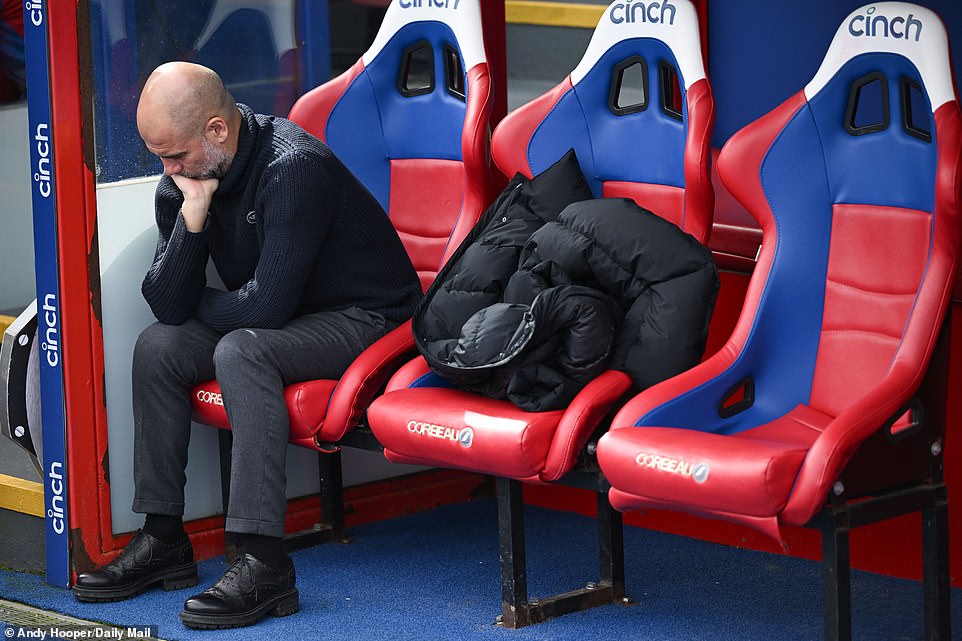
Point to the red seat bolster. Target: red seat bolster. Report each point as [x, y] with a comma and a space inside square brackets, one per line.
[699, 195]
[307, 405]
[580, 419]
[666, 391]
[509, 144]
[363, 379]
[312, 110]
[407, 374]
[480, 184]
[842, 437]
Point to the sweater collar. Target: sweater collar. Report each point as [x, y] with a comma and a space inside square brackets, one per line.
[246, 141]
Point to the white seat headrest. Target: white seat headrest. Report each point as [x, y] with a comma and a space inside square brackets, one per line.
[903, 28]
[462, 16]
[674, 22]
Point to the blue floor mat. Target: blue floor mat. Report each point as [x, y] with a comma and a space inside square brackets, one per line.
[434, 576]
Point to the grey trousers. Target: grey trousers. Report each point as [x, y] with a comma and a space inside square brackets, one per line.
[252, 366]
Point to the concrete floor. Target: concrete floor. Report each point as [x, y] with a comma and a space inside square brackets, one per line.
[21, 535]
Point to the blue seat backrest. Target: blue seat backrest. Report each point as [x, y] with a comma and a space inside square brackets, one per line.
[646, 146]
[374, 123]
[851, 181]
[816, 163]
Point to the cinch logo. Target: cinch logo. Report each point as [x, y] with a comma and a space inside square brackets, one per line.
[697, 472]
[464, 436]
[35, 9]
[881, 26]
[42, 175]
[638, 12]
[211, 398]
[55, 513]
[50, 344]
[440, 4]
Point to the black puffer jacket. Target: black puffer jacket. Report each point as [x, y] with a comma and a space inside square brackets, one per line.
[551, 288]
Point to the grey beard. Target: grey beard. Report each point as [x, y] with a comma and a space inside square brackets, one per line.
[217, 163]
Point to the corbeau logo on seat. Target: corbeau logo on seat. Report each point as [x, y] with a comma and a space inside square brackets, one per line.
[638, 11]
[698, 472]
[872, 26]
[440, 4]
[464, 436]
[211, 398]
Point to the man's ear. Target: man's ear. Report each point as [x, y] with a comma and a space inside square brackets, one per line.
[217, 129]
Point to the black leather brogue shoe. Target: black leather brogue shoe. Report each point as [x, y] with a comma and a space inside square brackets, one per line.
[247, 591]
[145, 561]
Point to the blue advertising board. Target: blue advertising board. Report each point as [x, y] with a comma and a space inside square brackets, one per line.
[43, 175]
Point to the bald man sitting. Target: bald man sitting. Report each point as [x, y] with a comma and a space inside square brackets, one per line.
[314, 273]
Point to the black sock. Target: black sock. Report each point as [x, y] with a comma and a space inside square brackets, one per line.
[266, 549]
[165, 528]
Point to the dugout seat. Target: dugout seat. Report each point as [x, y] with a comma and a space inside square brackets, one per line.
[638, 111]
[826, 406]
[411, 120]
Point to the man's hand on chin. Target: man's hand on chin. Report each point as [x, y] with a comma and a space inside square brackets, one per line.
[197, 196]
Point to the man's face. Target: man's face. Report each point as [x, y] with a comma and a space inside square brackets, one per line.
[192, 156]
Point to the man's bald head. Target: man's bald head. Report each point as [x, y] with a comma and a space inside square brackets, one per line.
[184, 96]
[188, 118]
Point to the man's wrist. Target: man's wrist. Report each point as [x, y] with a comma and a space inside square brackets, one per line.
[196, 221]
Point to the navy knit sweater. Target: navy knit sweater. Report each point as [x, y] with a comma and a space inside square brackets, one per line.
[291, 231]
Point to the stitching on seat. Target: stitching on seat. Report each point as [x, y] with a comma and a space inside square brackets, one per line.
[867, 332]
[876, 292]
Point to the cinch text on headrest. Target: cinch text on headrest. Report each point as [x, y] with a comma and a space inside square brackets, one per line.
[637, 11]
[872, 26]
[440, 4]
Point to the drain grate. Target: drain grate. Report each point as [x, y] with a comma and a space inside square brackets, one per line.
[34, 621]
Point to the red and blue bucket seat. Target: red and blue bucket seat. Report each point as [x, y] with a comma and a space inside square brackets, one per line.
[671, 180]
[638, 111]
[817, 399]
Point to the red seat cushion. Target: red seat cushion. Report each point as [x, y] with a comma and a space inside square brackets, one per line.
[750, 473]
[455, 429]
